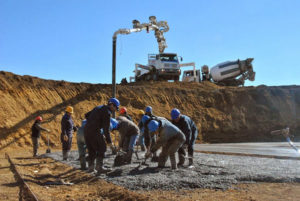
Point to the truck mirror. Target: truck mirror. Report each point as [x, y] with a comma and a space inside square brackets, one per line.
[181, 58]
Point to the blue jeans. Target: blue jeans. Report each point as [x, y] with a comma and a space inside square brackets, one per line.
[129, 142]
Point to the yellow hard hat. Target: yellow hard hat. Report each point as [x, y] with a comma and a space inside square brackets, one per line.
[69, 109]
[141, 112]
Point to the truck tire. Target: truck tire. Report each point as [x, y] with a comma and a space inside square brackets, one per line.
[155, 77]
[176, 78]
[148, 77]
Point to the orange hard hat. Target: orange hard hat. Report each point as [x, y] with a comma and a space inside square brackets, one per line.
[39, 118]
[123, 110]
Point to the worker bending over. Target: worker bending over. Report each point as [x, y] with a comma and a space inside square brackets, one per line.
[129, 133]
[170, 138]
[97, 119]
[188, 127]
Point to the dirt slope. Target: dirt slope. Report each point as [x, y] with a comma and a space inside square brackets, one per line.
[222, 114]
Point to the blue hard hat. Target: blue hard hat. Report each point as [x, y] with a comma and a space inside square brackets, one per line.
[113, 124]
[145, 118]
[175, 113]
[114, 101]
[148, 109]
[153, 126]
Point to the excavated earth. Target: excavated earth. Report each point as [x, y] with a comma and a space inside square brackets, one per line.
[222, 114]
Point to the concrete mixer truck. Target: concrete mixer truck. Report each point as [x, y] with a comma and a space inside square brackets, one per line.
[229, 73]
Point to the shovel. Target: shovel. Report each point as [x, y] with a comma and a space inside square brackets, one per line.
[48, 149]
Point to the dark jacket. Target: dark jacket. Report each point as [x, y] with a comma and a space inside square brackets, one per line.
[36, 129]
[187, 126]
[67, 125]
[98, 118]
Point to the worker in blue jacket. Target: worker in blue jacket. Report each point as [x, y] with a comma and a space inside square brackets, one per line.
[67, 129]
[97, 119]
[188, 127]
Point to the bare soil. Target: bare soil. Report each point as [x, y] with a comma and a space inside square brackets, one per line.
[222, 114]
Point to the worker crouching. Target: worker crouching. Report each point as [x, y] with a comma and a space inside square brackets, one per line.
[170, 138]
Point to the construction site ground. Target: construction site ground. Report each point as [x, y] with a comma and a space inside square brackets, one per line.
[222, 115]
[214, 177]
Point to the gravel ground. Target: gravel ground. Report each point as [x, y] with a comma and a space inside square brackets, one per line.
[213, 171]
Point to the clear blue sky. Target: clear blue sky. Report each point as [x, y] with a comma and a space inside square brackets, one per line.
[72, 39]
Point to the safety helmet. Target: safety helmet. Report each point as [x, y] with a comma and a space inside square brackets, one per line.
[153, 126]
[114, 101]
[39, 118]
[148, 109]
[69, 109]
[145, 118]
[123, 110]
[141, 112]
[113, 124]
[175, 113]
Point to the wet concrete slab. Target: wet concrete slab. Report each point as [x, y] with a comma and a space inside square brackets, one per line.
[214, 171]
[269, 149]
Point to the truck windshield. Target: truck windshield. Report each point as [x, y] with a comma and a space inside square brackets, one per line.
[168, 57]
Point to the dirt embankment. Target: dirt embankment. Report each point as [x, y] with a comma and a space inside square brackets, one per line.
[222, 114]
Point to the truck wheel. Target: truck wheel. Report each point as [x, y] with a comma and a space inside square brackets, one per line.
[176, 78]
[155, 77]
[148, 77]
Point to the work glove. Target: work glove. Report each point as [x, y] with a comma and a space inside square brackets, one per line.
[66, 138]
[48, 130]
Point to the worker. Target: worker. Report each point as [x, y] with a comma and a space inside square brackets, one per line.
[36, 134]
[188, 127]
[81, 144]
[141, 140]
[169, 137]
[149, 139]
[128, 134]
[99, 118]
[123, 112]
[148, 111]
[67, 129]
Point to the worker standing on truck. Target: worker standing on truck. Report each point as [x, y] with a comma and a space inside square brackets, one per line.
[36, 134]
[188, 127]
[169, 137]
[123, 112]
[99, 118]
[128, 134]
[67, 129]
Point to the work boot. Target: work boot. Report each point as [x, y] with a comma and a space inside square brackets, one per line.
[82, 163]
[181, 160]
[91, 166]
[100, 168]
[173, 162]
[191, 162]
[64, 153]
[128, 157]
[154, 157]
[143, 148]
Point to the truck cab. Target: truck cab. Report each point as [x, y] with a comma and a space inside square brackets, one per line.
[164, 66]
